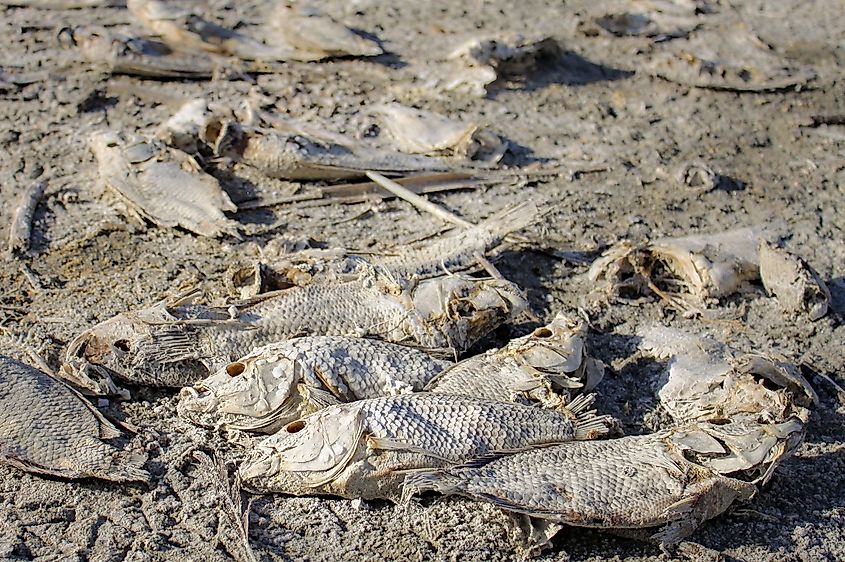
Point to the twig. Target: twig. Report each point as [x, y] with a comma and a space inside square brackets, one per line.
[21, 230]
[417, 201]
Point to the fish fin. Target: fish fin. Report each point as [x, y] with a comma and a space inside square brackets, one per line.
[388, 444]
[580, 404]
[320, 397]
[424, 481]
[511, 219]
[482, 461]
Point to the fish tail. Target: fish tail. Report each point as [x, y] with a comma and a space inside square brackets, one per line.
[511, 219]
[127, 467]
[586, 423]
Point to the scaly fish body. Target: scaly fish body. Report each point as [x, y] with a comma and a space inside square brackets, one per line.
[549, 367]
[179, 345]
[281, 382]
[626, 483]
[47, 428]
[362, 449]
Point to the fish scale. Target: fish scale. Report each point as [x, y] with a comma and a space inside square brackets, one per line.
[281, 382]
[47, 428]
[361, 449]
[626, 483]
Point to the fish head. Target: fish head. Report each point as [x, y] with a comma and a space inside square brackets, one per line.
[259, 392]
[467, 308]
[307, 454]
[112, 348]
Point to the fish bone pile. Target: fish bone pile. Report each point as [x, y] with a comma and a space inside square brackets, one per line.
[338, 371]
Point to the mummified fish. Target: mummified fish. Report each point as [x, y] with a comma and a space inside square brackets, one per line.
[364, 449]
[163, 184]
[306, 28]
[297, 157]
[674, 479]
[281, 382]
[549, 366]
[178, 343]
[47, 428]
[135, 56]
[686, 271]
[793, 281]
[455, 252]
[707, 381]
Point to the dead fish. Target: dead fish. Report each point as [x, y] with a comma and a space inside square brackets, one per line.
[183, 30]
[793, 281]
[306, 28]
[47, 428]
[424, 132]
[281, 382]
[687, 272]
[637, 482]
[163, 184]
[453, 253]
[660, 19]
[548, 367]
[725, 59]
[482, 60]
[365, 449]
[297, 157]
[178, 343]
[707, 381]
[134, 56]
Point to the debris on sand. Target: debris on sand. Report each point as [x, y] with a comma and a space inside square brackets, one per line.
[364, 449]
[299, 34]
[480, 61]
[659, 19]
[47, 428]
[304, 27]
[793, 281]
[21, 229]
[162, 184]
[729, 59]
[135, 56]
[424, 132]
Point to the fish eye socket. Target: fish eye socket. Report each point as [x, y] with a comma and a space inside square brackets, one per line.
[235, 369]
[294, 427]
[122, 345]
[542, 333]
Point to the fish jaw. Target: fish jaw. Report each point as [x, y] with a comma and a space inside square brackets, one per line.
[90, 379]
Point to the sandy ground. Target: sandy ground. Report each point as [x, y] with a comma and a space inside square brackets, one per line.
[593, 109]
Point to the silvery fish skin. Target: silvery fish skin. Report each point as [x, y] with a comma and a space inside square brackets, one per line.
[47, 428]
[455, 252]
[362, 449]
[634, 482]
[548, 367]
[178, 344]
[281, 382]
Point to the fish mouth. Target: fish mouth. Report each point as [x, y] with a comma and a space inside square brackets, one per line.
[197, 399]
[257, 466]
[91, 379]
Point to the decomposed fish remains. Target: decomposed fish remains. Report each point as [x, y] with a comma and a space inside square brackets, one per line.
[364, 449]
[281, 382]
[47, 428]
[178, 343]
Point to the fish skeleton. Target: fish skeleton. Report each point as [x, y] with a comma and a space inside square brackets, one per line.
[179, 343]
[281, 382]
[48, 428]
[366, 448]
